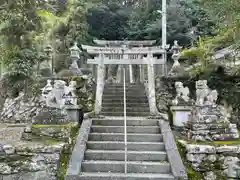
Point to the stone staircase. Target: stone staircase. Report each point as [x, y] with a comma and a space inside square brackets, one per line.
[104, 155]
[99, 150]
[136, 100]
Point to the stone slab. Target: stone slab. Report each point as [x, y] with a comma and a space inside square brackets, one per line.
[119, 155]
[180, 116]
[73, 107]
[132, 166]
[181, 108]
[122, 176]
[74, 167]
[178, 169]
[120, 145]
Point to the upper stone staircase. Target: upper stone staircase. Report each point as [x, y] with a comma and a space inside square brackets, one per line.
[136, 100]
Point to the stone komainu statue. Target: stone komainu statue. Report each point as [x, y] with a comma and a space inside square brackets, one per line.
[205, 96]
[182, 92]
[60, 94]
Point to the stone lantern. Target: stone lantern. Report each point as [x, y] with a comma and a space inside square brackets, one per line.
[176, 53]
[75, 55]
[48, 50]
[176, 68]
[75, 51]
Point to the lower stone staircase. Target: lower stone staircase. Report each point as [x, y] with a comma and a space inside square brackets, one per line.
[136, 100]
[146, 155]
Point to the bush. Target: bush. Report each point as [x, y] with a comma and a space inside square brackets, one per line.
[45, 72]
[62, 62]
[65, 73]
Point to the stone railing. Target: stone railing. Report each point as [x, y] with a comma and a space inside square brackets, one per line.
[174, 158]
[74, 166]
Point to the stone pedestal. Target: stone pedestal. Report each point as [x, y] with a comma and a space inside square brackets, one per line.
[180, 115]
[74, 113]
[209, 123]
[50, 115]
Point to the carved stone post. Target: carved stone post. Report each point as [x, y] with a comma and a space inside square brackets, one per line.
[126, 56]
[75, 51]
[131, 73]
[119, 74]
[100, 83]
[94, 73]
[151, 86]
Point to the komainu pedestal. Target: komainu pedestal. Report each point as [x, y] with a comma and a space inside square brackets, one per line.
[181, 106]
[208, 121]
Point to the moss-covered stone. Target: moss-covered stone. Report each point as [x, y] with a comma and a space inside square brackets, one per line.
[226, 142]
[53, 133]
[66, 154]
[192, 175]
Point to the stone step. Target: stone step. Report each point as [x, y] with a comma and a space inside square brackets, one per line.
[130, 137]
[122, 176]
[119, 145]
[128, 113]
[120, 100]
[120, 96]
[132, 166]
[135, 98]
[128, 109]
[120, 104]
[112, 121]
[121, 90]
[130, 129]
[119, 155]
[121, 85]
[127, 84]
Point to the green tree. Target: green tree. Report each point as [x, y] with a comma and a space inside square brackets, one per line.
[107, 20]
[182, 18]
[18, 22]
[226, 14]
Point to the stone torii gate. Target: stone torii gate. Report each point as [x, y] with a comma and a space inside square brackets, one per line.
[125, 56]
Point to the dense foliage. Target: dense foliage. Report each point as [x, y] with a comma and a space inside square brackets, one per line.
[226, 14]
[29, 26]
[34, 24]
[141, 19]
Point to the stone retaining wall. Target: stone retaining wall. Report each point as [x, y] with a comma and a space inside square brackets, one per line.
[30, 161]
[37, 152]
[215, 161]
